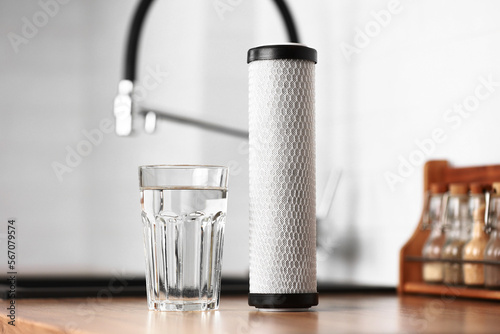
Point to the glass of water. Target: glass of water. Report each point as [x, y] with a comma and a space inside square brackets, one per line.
[183, 215]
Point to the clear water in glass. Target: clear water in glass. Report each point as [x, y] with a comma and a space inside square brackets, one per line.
[183, 241]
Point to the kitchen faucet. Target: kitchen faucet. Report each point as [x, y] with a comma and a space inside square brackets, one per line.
[124, 102]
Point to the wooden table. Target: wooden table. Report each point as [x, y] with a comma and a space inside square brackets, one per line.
[337, 313]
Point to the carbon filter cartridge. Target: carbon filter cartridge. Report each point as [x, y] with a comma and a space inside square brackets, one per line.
[282, 177]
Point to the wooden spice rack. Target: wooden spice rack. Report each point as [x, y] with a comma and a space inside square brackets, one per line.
[410, 258]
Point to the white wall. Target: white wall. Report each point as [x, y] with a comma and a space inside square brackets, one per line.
[63, 82]
[374, 105]
[371, 109]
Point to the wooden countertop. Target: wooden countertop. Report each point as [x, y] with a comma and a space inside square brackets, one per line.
[336, 313]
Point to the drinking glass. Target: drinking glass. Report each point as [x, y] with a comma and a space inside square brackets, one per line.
[183, 214]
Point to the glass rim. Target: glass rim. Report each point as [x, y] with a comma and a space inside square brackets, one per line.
[165, 166]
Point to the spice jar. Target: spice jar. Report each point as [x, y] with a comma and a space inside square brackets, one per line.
[474, 250]
[457, 220]
[432, 271]
[477, 197]
[492, 251]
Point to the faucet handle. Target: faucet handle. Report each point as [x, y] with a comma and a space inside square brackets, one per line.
[122, 109]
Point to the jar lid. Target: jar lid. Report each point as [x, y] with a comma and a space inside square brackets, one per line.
[459, 188]
[496, 187]
[438, 188]
[477, 188]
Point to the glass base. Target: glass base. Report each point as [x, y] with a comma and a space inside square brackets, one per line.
[201, 305]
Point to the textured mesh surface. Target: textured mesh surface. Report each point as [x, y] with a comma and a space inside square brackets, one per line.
[282, 177]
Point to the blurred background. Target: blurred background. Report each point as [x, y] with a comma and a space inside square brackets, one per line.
[398, 83]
